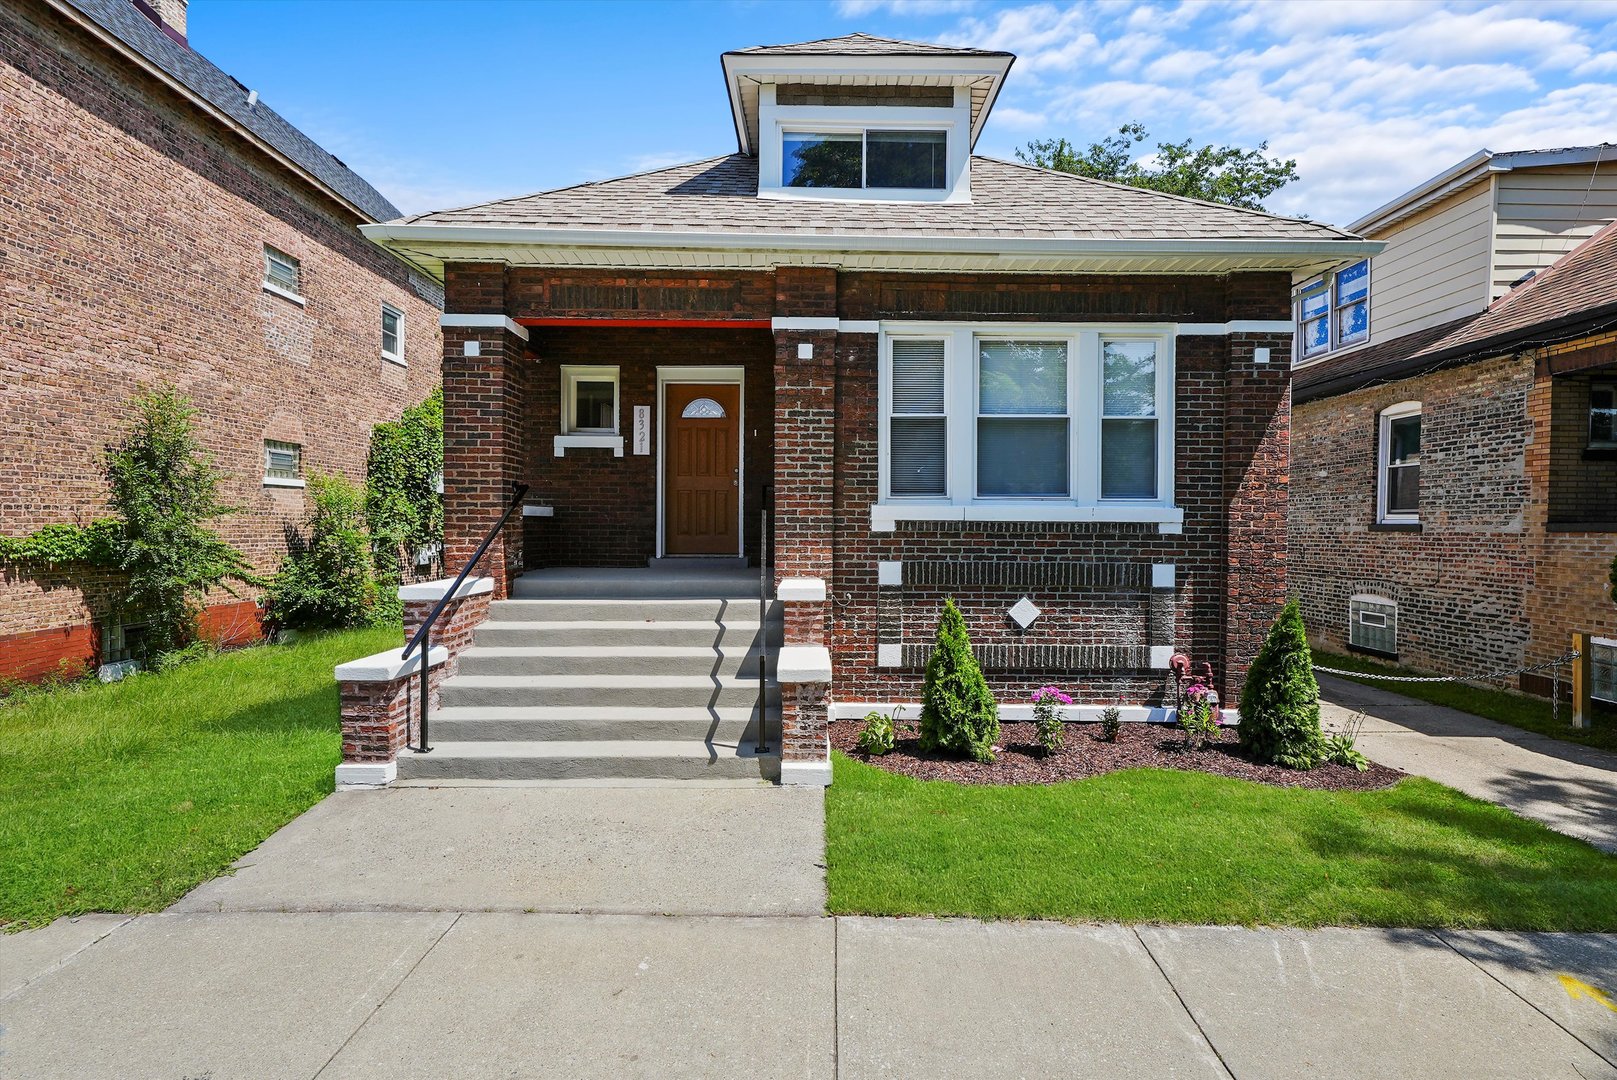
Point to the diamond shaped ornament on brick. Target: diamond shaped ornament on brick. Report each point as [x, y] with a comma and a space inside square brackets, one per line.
[1023, 612]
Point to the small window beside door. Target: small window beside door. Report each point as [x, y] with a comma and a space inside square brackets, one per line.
[589, 400]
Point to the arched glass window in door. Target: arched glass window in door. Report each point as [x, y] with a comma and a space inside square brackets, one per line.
[703, 408]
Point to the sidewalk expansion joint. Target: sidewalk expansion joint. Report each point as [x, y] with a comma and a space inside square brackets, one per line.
[1183, 1004]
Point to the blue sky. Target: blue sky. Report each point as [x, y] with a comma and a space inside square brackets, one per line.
[442, 104]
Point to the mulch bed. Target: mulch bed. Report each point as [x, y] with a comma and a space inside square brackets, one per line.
[1084, 753]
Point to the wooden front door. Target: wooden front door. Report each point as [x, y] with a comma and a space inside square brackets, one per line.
[702, 470]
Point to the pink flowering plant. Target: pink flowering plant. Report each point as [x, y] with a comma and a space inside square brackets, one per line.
[1047, 701]
[1199, 714]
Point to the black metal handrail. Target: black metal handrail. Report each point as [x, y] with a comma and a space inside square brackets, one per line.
[423, 635]
[766, 574]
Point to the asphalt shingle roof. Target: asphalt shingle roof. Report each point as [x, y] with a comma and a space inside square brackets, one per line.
[1583, 282]
[862, 45]
[195, 72]
[1009, 200]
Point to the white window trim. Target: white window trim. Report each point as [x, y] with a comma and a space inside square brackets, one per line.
[571, 375]
[774, 120]
[271, 287]
[1374, 598]
[1383, 446]
[960, 503]
[398, 356]
[1333, 339]
[282, 481]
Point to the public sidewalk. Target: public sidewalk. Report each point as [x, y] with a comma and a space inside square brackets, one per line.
[1570, 788]
[622, 932]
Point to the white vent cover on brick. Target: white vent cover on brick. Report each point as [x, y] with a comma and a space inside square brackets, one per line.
[1023, 612]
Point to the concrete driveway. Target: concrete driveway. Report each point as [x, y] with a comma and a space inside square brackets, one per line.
[656, 932]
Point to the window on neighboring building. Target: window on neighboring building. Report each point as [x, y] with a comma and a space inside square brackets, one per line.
[1333, 311]
[1398, 465]
[1373, 624]
[282, 273]
[1603, 669]
[283, 462]
[906, 160]
[392, 334]
[590, 400]
[1603, 414]
[1081, 417]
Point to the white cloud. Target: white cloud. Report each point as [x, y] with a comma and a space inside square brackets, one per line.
[853, 9]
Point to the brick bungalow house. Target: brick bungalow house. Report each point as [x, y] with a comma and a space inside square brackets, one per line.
[1063, 402]
[1454, 498]
[161, 222]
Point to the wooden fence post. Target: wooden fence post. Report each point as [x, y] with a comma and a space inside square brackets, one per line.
[1582, 678]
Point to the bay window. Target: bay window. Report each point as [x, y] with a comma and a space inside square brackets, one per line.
[991, 422]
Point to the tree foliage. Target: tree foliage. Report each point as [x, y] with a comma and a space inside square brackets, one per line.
[958, 714]
[165, 492]
[402, 506]
[1222, 174]
[1280, 701]
[327, 580]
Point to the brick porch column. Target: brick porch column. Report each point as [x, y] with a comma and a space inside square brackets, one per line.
[486, 375]
[805, 327]
[1257, 464]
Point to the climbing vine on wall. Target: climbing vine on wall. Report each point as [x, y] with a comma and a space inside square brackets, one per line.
[63, 544]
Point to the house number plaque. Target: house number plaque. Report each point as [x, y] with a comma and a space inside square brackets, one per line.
[642, 429]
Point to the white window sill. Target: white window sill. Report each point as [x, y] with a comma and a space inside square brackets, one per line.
[884, 517]
[285, 294]
[281, 481]
[393, 359]
[565, 443]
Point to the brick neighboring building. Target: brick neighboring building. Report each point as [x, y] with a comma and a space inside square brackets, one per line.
[145, 199]
[917, 342]
[1454, 485]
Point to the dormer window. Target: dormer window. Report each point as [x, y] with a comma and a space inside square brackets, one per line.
[873, 158]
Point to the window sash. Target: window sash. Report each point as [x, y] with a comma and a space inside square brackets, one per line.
[918, 424]
[1603, 414]
[282, 460]
[392, 335]
[577, 408]
[1024, 418]
[879, 163]
[282, 270]
[1398, 465]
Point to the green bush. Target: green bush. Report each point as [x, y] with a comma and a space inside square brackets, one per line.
[877, 736]
[1111, 722]
[165, 490]
[1047, 727]
[328, 580]
[1280, 702]
[959, 716]
[402, 507]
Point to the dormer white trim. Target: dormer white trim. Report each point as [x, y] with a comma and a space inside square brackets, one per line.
[761, 71]
[774, 121]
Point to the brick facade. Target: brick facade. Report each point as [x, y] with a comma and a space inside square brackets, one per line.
[135, 226]
[1231, 467]
[1516, 531]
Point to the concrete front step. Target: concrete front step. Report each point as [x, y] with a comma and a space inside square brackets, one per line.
[667, 632]
[670, 760]
[637, 692]
[708, 609]
[623, 659]
[596, 724]
[638, 582]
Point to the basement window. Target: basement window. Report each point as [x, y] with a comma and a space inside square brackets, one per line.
[283, 464]
[283, 275]
[1373, 625]
[392, 334]
[1603, 669]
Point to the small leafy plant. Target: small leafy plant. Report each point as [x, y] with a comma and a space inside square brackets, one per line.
[1198, 715]
[959, 715]
[876, 738]
[1111, 722]
[1047, 702]
[1341, 746]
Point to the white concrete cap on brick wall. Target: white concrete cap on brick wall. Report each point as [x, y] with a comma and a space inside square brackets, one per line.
[803, 664]
[801, 589]
[889, 573]
[388, 666]
[1162, 575]
[435, 590]
[351, 774]
[805, 773]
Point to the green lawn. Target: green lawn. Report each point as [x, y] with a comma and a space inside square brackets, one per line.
[1505, 706]
[123, 797]
[1149, 845]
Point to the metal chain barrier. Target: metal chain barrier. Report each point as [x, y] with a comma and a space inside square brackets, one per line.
[1555, 688]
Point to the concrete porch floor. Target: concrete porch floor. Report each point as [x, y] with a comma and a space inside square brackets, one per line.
[669, 580]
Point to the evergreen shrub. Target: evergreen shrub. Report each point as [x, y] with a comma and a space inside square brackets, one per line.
[959, 716]
[1280, 702]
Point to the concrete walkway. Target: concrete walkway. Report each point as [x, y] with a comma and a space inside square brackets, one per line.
[500, 932]
[1570, 788]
